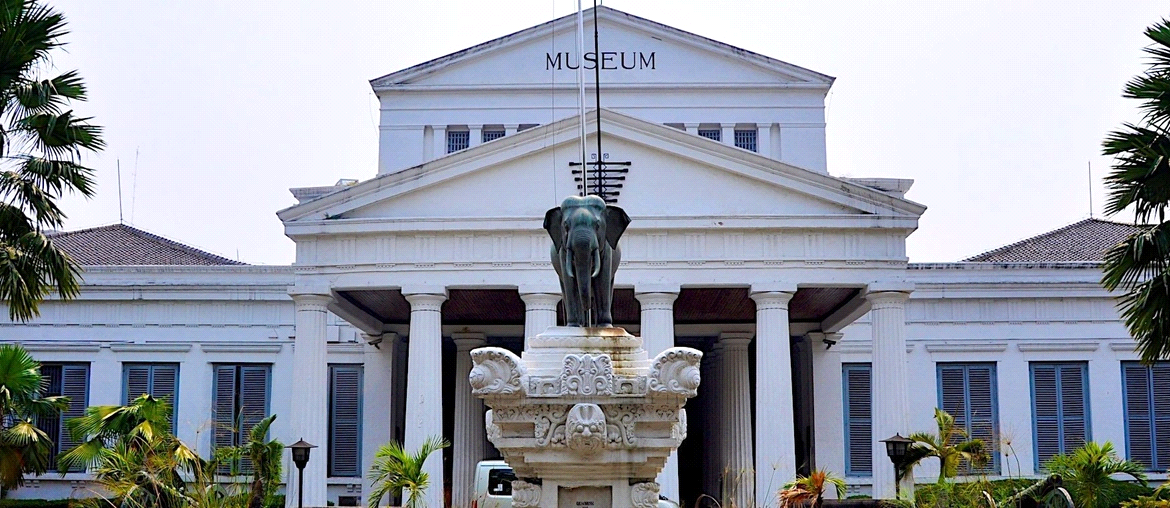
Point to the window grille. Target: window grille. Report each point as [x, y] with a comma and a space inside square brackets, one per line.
[493, 134]
[858, 419]
[967, 391]
[1059, 408]
[345, 420]
[1146, 399]
[458, 140]
[714, 134]
[746, 139]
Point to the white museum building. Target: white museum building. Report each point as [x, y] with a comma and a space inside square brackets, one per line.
[819, 336]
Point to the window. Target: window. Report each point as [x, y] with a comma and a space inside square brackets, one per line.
[746, 139]
[492, 133]
[159, 380]
[458, 140]
[967, 392]
[1146, 394]
[858, 419]
[345, 420]
[500, 481]
[1060, 398]
[70, 380]
[240, 401]
[713, 134]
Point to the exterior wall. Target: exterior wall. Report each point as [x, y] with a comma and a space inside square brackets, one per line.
[1009, 315]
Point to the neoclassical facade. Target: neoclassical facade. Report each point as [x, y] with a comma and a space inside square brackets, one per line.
[820, 337]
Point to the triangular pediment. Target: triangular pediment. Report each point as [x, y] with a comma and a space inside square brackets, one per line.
[635, 51]
[673, 174]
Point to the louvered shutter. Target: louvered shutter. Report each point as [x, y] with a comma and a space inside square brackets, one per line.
[51, 386]
[137, 382]
[1139, 437]
[952, 391]
[981, 417]
[345, 392]
[224, 406]
[858, 420]
[1160, 395]
[75, 385]
[253, 404]
[1073, 407]
[1045, 412]
[164, 385]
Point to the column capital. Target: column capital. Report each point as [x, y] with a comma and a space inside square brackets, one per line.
[735, 340]
[466, 341]
[540, 299]
[425, 301]
[900, 286]
[656, 287]
[772, 300]
[311, 302]
[656, 301]
[886, 299]
[424, 289]
[774, 287]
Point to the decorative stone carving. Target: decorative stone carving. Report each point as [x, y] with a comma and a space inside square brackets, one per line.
[676, 370]
[644, 495]
[497, 372]
[525, 495]
[585, 429]
[586, 375]
[490, 428]
[628, 386]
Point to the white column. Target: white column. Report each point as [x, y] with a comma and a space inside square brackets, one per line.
[712, 458]
[888, 318]
[540, 312]
[728, 136]
[474, 135]
[658, 336]
[469, 432]
[424, 389]
[377, 401]
[310, 415]
[741, 479]
[775, 435]
[764, 139]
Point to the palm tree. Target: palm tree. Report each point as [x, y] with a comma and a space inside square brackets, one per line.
[133, 453]
[811, 488]
[24, 448]
[1087, 473]
[41, 144]
[1140, 178]
[396, 469]
[264, 455]
[950, 446]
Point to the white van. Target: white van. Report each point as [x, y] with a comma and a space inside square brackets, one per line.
[493, 486]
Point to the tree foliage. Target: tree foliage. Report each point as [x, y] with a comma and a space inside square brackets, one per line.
[24, 448]
[1140, 180]
[41, 145]
[395, 470]
[264, 455]
[950, 446]
[810, 489]
[1088, 474]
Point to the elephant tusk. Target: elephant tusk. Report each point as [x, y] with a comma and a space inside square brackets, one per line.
[596, 263]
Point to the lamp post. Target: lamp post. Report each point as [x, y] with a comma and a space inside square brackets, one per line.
[300, 456]
[896, 449]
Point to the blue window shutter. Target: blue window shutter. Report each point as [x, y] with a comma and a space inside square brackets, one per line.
[224, 406]
[968, 392]
[1045, 412]
[858, 419]
[75, 385]
[345, 404]
[136, 382]
[1074, 407]
[1160, 397]
[1139, 432]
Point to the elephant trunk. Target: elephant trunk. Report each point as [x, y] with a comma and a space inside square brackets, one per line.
[585, 257]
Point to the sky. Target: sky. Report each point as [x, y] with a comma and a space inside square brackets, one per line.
[214, 109]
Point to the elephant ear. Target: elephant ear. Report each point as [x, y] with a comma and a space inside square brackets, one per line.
[552, 224]
[616, 221]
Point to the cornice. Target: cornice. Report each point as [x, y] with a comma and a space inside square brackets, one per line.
[1038, 347]
[965, 347]
[241, 347]
[150, 347]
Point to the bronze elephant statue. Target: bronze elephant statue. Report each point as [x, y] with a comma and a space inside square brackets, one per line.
[585, 232]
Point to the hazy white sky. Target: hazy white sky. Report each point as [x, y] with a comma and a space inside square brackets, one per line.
[216, 108]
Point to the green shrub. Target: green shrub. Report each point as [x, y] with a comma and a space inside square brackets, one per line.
[966, 494]
[37, 503]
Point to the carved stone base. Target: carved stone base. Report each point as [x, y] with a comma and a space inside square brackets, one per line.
[584, 417]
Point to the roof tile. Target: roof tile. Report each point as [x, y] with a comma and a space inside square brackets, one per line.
[119, 244]
[1084, 241]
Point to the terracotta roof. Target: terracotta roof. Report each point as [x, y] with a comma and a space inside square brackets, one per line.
[1084, 241]
[119, 244]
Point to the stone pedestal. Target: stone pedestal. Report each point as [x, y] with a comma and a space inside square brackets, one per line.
[584, 417]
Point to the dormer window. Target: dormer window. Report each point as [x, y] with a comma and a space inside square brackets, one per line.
[458, 140]
[492, 132]
[746, 138]
[712, 134]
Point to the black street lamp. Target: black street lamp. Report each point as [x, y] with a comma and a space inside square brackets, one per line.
[896, 447]
[300, 456]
